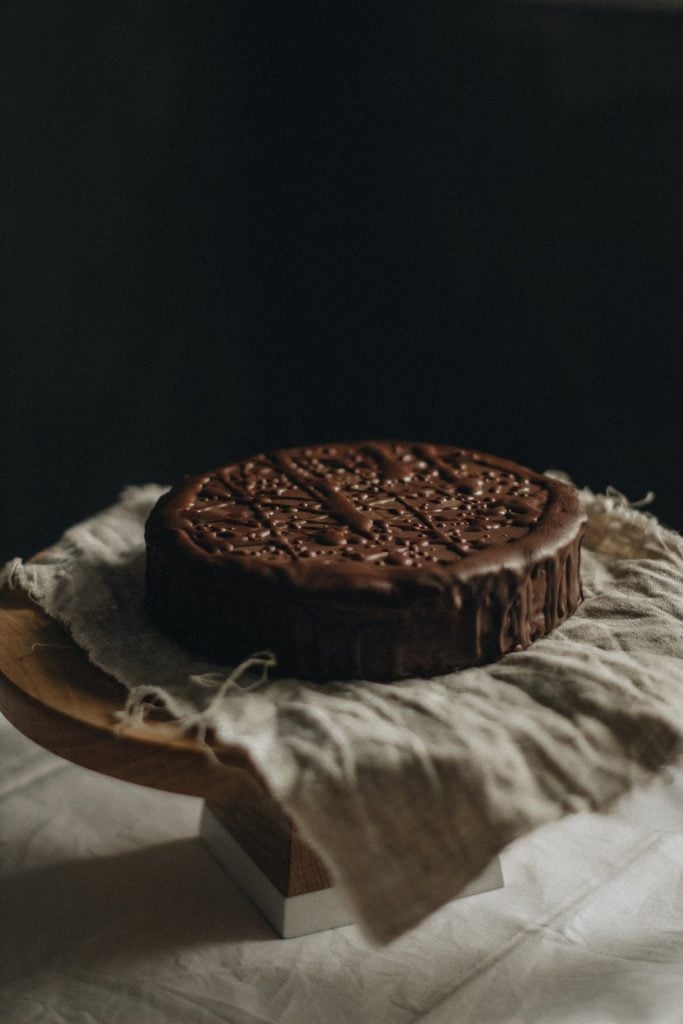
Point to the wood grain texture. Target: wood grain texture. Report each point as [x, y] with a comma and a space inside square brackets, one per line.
[270, 838]
[51, 692]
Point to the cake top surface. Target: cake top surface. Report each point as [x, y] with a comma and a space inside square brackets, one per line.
[377, 508]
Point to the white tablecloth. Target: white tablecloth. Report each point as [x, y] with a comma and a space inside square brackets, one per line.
[113, 913]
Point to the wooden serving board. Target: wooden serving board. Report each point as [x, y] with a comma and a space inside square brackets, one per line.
[52, 693]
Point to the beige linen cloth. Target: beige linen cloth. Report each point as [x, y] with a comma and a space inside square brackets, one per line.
[407, 790]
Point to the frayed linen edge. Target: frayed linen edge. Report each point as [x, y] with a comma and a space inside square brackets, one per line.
[144, 699]
[9, 574]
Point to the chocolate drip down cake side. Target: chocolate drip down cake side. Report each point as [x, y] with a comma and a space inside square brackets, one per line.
[364, 561]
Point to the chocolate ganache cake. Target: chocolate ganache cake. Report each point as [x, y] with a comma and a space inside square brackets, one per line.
[378, 560]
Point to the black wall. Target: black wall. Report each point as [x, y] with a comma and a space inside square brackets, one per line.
[235, 225]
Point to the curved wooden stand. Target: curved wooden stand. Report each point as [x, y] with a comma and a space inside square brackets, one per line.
[55, 696]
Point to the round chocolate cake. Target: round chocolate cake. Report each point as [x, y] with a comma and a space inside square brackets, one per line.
[378, 560]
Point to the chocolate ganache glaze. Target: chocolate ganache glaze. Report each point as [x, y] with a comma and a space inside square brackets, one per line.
[378, 560]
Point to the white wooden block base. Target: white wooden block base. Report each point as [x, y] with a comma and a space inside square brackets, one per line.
[290, 916]
[311, 912]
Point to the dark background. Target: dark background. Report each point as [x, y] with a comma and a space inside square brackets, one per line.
[232, 226]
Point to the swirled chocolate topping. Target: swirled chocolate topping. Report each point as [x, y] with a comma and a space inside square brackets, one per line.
[349, 532]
